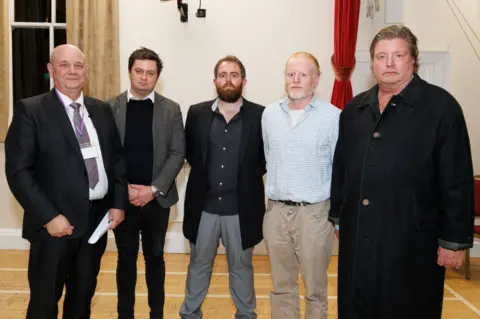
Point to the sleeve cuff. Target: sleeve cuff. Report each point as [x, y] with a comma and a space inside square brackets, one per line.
[453, 246]
[334, 220]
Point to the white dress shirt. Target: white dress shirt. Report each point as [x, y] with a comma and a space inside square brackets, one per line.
[101, 188]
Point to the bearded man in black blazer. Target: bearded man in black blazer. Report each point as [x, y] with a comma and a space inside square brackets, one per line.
[225, 197]
[64, 165]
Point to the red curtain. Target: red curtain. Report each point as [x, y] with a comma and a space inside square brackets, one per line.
[477, 201]
[345, 40]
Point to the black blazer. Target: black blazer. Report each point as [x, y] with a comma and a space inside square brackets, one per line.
[251, 194]
[45, 168]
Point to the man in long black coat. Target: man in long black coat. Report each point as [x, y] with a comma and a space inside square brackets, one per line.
[402, 189]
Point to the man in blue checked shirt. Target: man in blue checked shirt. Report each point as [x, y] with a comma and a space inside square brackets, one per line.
[300, 133]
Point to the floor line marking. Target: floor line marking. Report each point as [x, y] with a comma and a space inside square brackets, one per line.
[461, 298]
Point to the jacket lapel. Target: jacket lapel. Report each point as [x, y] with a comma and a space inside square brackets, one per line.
[60, 117]
[157, 118]
[246, 125]
[121, 114]
[204, 123]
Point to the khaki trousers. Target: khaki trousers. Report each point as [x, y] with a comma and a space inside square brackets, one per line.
[298, 235]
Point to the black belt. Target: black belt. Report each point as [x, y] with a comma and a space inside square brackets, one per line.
[291, 203]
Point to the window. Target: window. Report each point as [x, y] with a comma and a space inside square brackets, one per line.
[36, 27]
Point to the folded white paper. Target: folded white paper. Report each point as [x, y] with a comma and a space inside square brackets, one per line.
[101, 229]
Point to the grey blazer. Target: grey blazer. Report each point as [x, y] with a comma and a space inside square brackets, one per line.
[168, 143]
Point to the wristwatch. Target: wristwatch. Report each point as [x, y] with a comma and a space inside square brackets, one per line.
[155, 191]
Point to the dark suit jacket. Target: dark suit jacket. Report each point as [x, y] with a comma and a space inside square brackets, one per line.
[251, 194]
[45, 168]
[168, 143]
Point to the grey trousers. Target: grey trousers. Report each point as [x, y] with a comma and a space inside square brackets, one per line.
[240, 267]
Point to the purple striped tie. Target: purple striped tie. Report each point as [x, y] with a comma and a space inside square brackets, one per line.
[83, 139]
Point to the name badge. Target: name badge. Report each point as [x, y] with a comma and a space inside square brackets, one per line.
[89, 152]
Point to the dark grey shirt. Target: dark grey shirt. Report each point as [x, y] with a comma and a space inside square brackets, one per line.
[222, 167]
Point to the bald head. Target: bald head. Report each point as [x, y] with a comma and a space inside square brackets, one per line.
[66, 50]
[68, 70]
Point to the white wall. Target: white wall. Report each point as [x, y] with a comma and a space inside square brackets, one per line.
[263, 34]
[11, 213]
[437, 29]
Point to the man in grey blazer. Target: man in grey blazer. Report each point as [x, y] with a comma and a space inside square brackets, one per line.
[152, 134]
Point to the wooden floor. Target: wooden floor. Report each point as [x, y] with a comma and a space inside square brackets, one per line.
[462, 297]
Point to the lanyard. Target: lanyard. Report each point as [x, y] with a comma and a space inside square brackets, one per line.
[80, 128]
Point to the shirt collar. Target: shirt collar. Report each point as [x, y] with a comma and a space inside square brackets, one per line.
[411, 93]
[215, 104]
[151, 96]
[67, 101]
[286, 100]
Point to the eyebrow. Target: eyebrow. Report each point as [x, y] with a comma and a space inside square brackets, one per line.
[65, 61]
[149, 70]
[383, 52]
[309, 70]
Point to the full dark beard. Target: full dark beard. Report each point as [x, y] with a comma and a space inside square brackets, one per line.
[230, 94]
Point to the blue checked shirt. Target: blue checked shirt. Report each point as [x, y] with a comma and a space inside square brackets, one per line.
[299, 158]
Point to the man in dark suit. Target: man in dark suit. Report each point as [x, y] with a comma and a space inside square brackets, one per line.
[225, 196]
[151, 131]
[65, 166]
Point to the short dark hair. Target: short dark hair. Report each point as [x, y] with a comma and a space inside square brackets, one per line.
[145, 54]
[230, 58]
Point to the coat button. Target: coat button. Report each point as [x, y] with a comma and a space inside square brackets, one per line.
[365, 202]
[376, 135]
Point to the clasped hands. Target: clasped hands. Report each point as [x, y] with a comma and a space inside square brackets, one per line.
[139, 195]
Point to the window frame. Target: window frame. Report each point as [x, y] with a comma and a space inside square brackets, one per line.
[51, 26]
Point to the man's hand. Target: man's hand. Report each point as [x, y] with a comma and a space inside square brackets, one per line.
[337, 232]
[132, 193]
[144, 196]
[116, 216]
[59, 227]
[449, 258]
